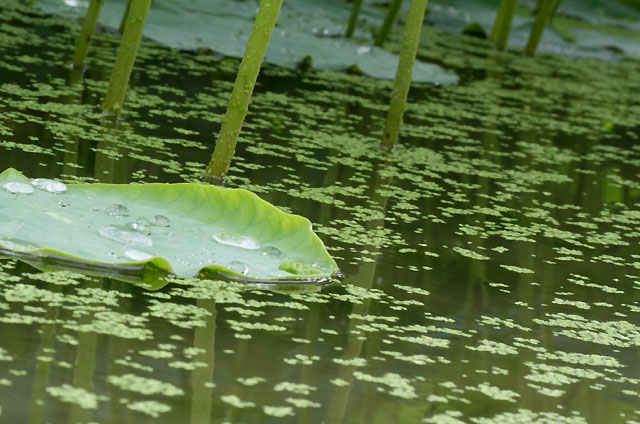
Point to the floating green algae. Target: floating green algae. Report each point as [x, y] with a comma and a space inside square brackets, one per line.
[531, 163]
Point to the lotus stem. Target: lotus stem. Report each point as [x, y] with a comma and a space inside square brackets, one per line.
[353, 18]
[88, 27]
[392, 12]
[123, 21]
[242, 89]
[502, 23]
[554, 8]
[410, 41]
[125, 57]
[546, 9]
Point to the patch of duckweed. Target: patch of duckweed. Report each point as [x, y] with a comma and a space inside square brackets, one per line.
[398, 386]
[618, 333]
[4, 355]
[150, 407]
[494, 347]
[545, 391]
[277, 411]
[529, 162]
[302, 403]
[236, 402]
[251, 381]
[470, 253]
[298, 388]
[143, 385]
[77, 395]
[447, 417]
[495, 392]
[190, 366]
[156, 354]
[517, 269]
[527, 416]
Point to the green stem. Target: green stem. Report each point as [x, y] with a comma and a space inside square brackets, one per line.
[497, 22]
[123, 21]
[554, 8]
[88, 27]
[392, 12]
[125, 57]
[502, 23]
[353, 18]
[242, 89]
[410, 41]
[543, 17]
[204, 339]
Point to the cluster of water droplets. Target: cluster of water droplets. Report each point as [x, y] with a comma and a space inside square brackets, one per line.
[126, 235]
[133, 233]
[19, 187]
[247, 243]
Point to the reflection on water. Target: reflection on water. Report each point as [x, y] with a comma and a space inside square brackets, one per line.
[491, 262]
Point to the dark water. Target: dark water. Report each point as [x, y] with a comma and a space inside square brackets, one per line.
[491, 261]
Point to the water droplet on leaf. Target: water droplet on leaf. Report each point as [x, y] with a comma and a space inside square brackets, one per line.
[239, 267]
[17, 187]
[52, 186]
[125, 235]
[244, 242]
[138, 255]
[160, 221]
[118, 210]
[274, 252]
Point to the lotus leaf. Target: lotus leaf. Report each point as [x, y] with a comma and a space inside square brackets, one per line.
[185, 229]
[592, 28]
[305, 28]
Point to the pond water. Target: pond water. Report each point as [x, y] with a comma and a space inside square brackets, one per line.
[491, 263]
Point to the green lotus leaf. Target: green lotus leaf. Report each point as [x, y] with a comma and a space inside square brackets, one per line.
[602, 29]
[184, 229]
[305, 28]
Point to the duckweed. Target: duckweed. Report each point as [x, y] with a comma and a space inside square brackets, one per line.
[490, 261]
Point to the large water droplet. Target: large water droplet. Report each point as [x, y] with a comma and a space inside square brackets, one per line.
[239, 267]
[271, 251]
[160, 221]
[18, 187]
[52, 186]
[244, 242]
[138, 255]
[126, 235]
[118, 210]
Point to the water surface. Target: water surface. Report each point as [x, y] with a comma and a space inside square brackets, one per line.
[491, 261]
